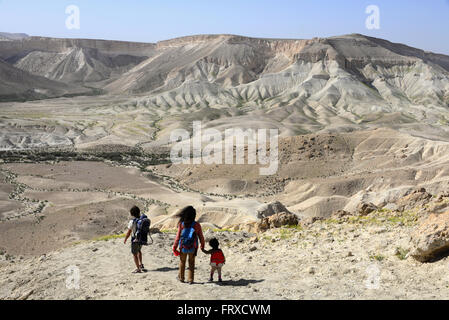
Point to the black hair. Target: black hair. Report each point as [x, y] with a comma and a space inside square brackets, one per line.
[135, 212]
[214, 243]
[187, 215]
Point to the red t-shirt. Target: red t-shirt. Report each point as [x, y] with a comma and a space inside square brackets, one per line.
[217, 257]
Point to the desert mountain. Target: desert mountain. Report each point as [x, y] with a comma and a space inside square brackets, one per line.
[5, 36]
[339, 79]
[19, 84]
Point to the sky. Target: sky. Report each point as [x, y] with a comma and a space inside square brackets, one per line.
[419, 23]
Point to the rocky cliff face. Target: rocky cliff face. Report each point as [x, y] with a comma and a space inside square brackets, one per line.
[298, 86]
[228, 70]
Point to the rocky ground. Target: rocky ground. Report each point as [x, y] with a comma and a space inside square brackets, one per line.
[363, 258]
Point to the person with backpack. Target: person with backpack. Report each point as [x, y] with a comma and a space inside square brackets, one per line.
[138, 229]
[189, 231]
[217, 259]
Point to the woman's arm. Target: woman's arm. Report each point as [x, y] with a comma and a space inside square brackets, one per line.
[178, 236]
[199, 231]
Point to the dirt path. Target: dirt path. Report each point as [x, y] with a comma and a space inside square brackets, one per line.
[325, 261]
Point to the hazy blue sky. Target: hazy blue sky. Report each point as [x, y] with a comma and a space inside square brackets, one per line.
[419, 23]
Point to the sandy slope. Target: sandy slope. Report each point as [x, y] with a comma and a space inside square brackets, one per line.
[324, 261]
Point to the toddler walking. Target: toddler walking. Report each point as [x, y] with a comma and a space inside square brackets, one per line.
[217, 259]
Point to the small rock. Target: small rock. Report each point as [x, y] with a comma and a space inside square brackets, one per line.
[253, 249]
[254, 239]
[364, 209]
[26, 295]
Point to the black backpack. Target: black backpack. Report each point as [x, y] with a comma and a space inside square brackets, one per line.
[142, 230]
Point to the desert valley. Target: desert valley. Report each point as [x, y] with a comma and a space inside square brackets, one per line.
[358, 206]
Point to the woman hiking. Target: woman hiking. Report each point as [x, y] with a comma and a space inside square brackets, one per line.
[189, 231]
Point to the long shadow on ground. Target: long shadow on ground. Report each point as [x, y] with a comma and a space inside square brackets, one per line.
[165, 269]
[238, 283]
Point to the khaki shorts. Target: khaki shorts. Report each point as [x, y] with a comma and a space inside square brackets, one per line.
[135, 247]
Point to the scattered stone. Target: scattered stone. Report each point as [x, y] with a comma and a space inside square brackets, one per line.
[310, 220]
[417, 198]
[364, 209]
[340, 214]
[431, 238]
[278, 220]
[270, 209]
[26, 295]
[254, 239]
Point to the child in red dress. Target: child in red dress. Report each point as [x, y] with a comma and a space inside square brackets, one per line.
[217, 259]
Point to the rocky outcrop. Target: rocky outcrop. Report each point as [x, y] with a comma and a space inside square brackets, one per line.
[340, 214]
[417, 198]
[270, 209]
[431, 239]
[271, 215]
[278, 220]
[364, 209]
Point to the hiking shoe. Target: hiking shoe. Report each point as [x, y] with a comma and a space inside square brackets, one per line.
[211, 280]
[137, 271]
[219, 280]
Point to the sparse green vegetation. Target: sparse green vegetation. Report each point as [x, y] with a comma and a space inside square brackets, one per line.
[267, 238]
[168, 231]
[401, 253]
[377, 257]
[382, 217]
[222, 230]
[110, 237]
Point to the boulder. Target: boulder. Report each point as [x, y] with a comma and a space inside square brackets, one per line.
[270, 209]
[417, 198]
[307, 221]
[278, 220]
[283, 219]
[340, 214]
[251, 227]
[431, 238]
[364, 209]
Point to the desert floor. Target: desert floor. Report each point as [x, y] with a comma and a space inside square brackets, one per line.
[327, 260]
